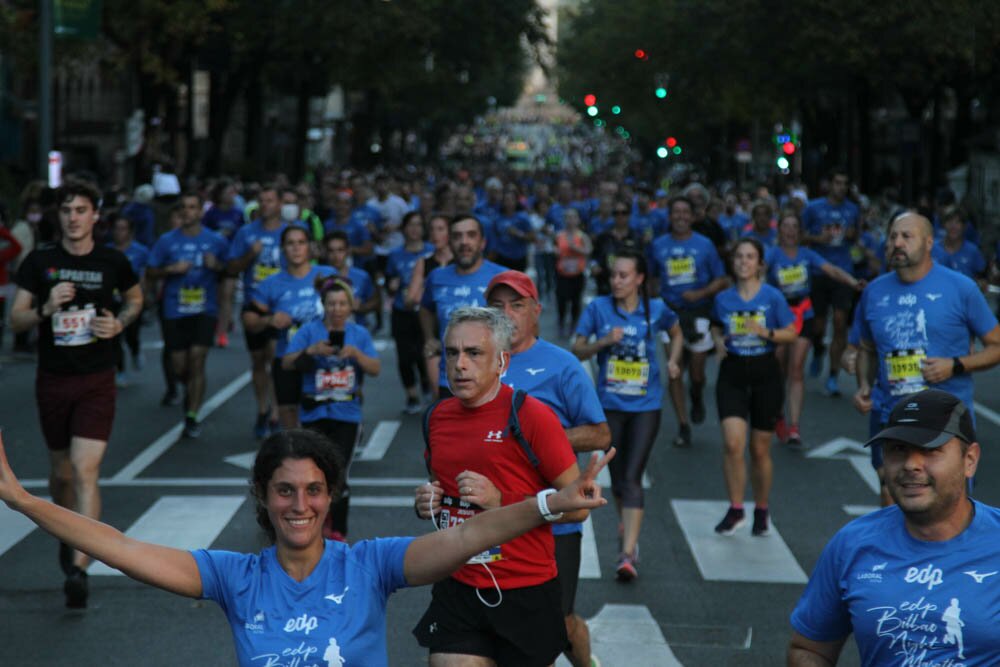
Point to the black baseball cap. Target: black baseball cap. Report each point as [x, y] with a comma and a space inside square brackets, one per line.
[928, 419]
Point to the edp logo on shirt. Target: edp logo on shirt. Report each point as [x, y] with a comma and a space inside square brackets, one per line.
[300, 623]
[928, 574]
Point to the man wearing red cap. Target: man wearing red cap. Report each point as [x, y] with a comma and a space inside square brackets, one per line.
[555, 377]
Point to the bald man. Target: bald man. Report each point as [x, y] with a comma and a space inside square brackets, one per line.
[917, 323]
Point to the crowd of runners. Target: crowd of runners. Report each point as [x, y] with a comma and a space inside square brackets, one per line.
[455, 268]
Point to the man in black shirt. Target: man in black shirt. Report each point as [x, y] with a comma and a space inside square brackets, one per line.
[67, 289]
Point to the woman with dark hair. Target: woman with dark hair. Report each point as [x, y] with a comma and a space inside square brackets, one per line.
[340, 590]
[333, 355]
[573, 248]
[625, 327]
[748, 320]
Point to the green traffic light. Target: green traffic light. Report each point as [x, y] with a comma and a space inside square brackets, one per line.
[661, 92]
[662, 152]
[616, 109]
[677, 150]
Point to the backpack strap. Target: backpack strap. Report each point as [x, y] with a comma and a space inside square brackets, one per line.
[514, 425]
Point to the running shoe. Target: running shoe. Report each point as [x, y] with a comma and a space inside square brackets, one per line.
[697, 410]
[832, 388]
[260, 427]
[683, 438]
[76, 589]
[222, 339]
[761, 527]
[594, 662]
[794, 440]
[192, 429]
[413, 406]
[781, 429]
[734, 519]
[816, 365]
[626, 570]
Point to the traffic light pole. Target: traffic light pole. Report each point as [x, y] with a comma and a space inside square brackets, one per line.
[44, 86]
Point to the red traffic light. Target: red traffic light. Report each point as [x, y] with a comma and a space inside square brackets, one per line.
[670, 142]
[641, 54]
[590, 99]
[788, 147]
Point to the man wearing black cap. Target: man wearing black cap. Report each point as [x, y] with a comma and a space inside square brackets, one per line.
[915, 582]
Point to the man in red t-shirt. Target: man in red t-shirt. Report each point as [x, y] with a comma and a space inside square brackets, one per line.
[505, 605]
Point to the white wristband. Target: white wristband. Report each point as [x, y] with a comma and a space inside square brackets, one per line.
[543, 505]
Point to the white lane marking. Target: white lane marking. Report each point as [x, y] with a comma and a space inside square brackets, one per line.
[152, 345]
[378, 443]
[182, 522]
[209, 482]
[244, 461]
[590, 564]
[604, 479]
[860, 510]
[383, 344]
[863, 464]
[14, 527]
[382, 501]
[165, 441]
[852, 450]
[623, 635]
[989, 414]
[739, 557]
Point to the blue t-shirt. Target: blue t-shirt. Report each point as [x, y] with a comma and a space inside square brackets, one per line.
[225, 221]
[682, 266]
[138, 257]
[821, 214]
[400, 265]
[143, 222]
[557, 213]
[768, 307]
[269, 261]
[733, 224]
[445, 290]
[768, 239]
[336, 616]
[556, 378]
[967, 260]
[937, 316]
[791, 274]
[628, 373]
[356, 228]
[506, 244]
[297, 297]
[195, 292]
[649, 225]
[908, 602]
[335, 384]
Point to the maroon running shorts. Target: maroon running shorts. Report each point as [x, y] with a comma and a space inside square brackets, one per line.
[75, 405]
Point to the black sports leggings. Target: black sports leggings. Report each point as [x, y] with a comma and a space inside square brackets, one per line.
[633, 435]
[409, 348]
[569, 294]
[343, 436]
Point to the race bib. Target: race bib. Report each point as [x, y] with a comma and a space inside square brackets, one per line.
[335, 384]
[791, 277]
[904, 371]
[262, 272]
[680, 270]
[71, 328]
[455, 511]
[191, 300]
[742, 336]
[627, 376]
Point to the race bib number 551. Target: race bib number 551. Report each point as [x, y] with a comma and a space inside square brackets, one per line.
[73, 327]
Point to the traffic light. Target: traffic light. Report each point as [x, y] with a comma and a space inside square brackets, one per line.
[788, 147]
[640, 54]
[670, 142]
[589, 99]
[616, 109]
[662, 152]
[783, 163]
[661, 92]
[592, 111]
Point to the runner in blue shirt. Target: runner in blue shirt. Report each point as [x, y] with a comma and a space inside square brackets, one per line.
[626, 326]
[303, 597]
[405, 323]
[831, 227]
[648, 223]
[461, 283]
[352, 223]
[223, 217]
[790, 268]
[367, 299]
[748, 320]
[333, 355]
[955, 252]
[286, 302]
[256, 253]
[761, 225]
[687, 268]
[918, 323]
[190, 259]
[123, 239]
[556, 378]
[915, 582]
[513, 233]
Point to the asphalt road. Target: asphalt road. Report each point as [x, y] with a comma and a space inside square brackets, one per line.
[703, 599]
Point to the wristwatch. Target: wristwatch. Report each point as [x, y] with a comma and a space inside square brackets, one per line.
[958, 368]
[543, 505]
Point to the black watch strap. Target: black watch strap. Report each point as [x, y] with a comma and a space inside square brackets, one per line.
[958, 368]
